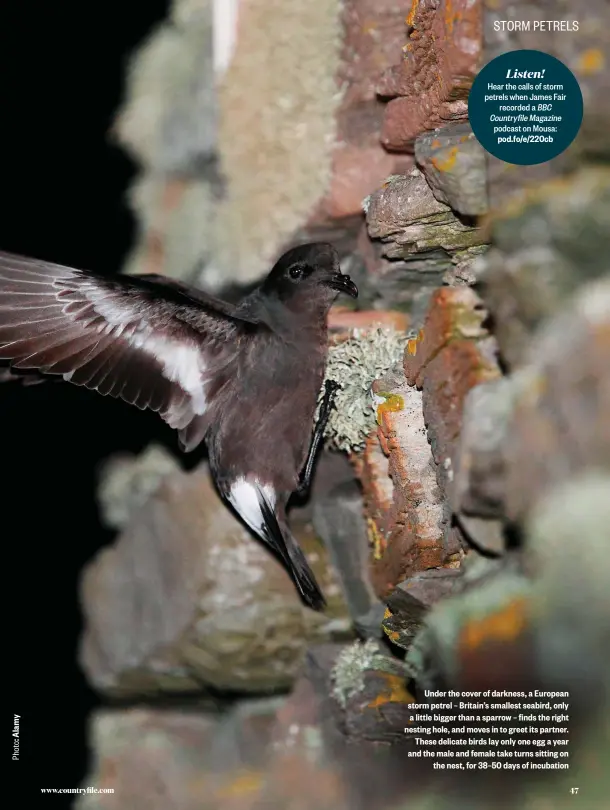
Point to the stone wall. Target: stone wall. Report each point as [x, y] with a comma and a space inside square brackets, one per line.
[465, 545]
[282, 146]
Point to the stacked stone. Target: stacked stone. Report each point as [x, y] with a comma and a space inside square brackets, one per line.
[423, 236]
[511, 385]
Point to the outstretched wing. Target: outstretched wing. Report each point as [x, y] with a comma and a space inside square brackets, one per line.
[152, 345]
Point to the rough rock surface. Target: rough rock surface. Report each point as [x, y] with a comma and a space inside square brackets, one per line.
[454, 354]
[407, 471]
[560, 422]
[409, 220]
[399, 284]
[261, 754]
[339, 520]
[168, 120]
[479, 483]
[454, 164]
[148, 757]
[278, 103]
[411, 537]
[479, 637]
[449, 376]
[441, 58]
[572, 630]
[185, 599]
[371, 701]
[547, 241]
[409, 603]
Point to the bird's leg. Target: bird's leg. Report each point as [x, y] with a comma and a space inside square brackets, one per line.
[330, 391]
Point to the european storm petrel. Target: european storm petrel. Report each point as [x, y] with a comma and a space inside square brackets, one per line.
[245, 379]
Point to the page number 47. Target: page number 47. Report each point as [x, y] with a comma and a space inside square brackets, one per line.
[574, 790]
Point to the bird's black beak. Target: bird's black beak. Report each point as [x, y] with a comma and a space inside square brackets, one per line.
[344, 284]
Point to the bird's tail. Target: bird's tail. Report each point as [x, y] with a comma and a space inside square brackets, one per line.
[293, 557]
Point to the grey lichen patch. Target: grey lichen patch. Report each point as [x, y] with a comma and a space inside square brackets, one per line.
[168, 118]
[355, 363]
[127, 481]
[188, 226]
[277, 105]
[348, 672]
[191, 236]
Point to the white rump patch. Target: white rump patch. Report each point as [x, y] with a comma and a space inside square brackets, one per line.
[243, 497]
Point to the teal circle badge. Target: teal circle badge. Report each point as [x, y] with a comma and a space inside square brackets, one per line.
[525, 107]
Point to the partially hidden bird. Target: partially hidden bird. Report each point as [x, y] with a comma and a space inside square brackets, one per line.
[245, 379]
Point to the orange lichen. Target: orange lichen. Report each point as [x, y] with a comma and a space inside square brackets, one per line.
[590, 61]
[446, 164]
[411, 15]
[394, 691]
[376, 539]
[244, 783]
[506, 624]
[393, 635]
[393, 403]
[412, 343]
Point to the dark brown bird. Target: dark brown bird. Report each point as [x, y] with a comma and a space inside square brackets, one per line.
[245, 379]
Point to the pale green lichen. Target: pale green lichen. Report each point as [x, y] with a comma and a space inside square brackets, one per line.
[348, 672]
[355, 363]
[347, 675]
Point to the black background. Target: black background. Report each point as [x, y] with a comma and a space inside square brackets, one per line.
[62, 188]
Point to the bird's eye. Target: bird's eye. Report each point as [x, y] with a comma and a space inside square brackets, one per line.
[296, 271]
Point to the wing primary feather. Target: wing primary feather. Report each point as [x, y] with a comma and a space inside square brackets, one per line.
[149, 341]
